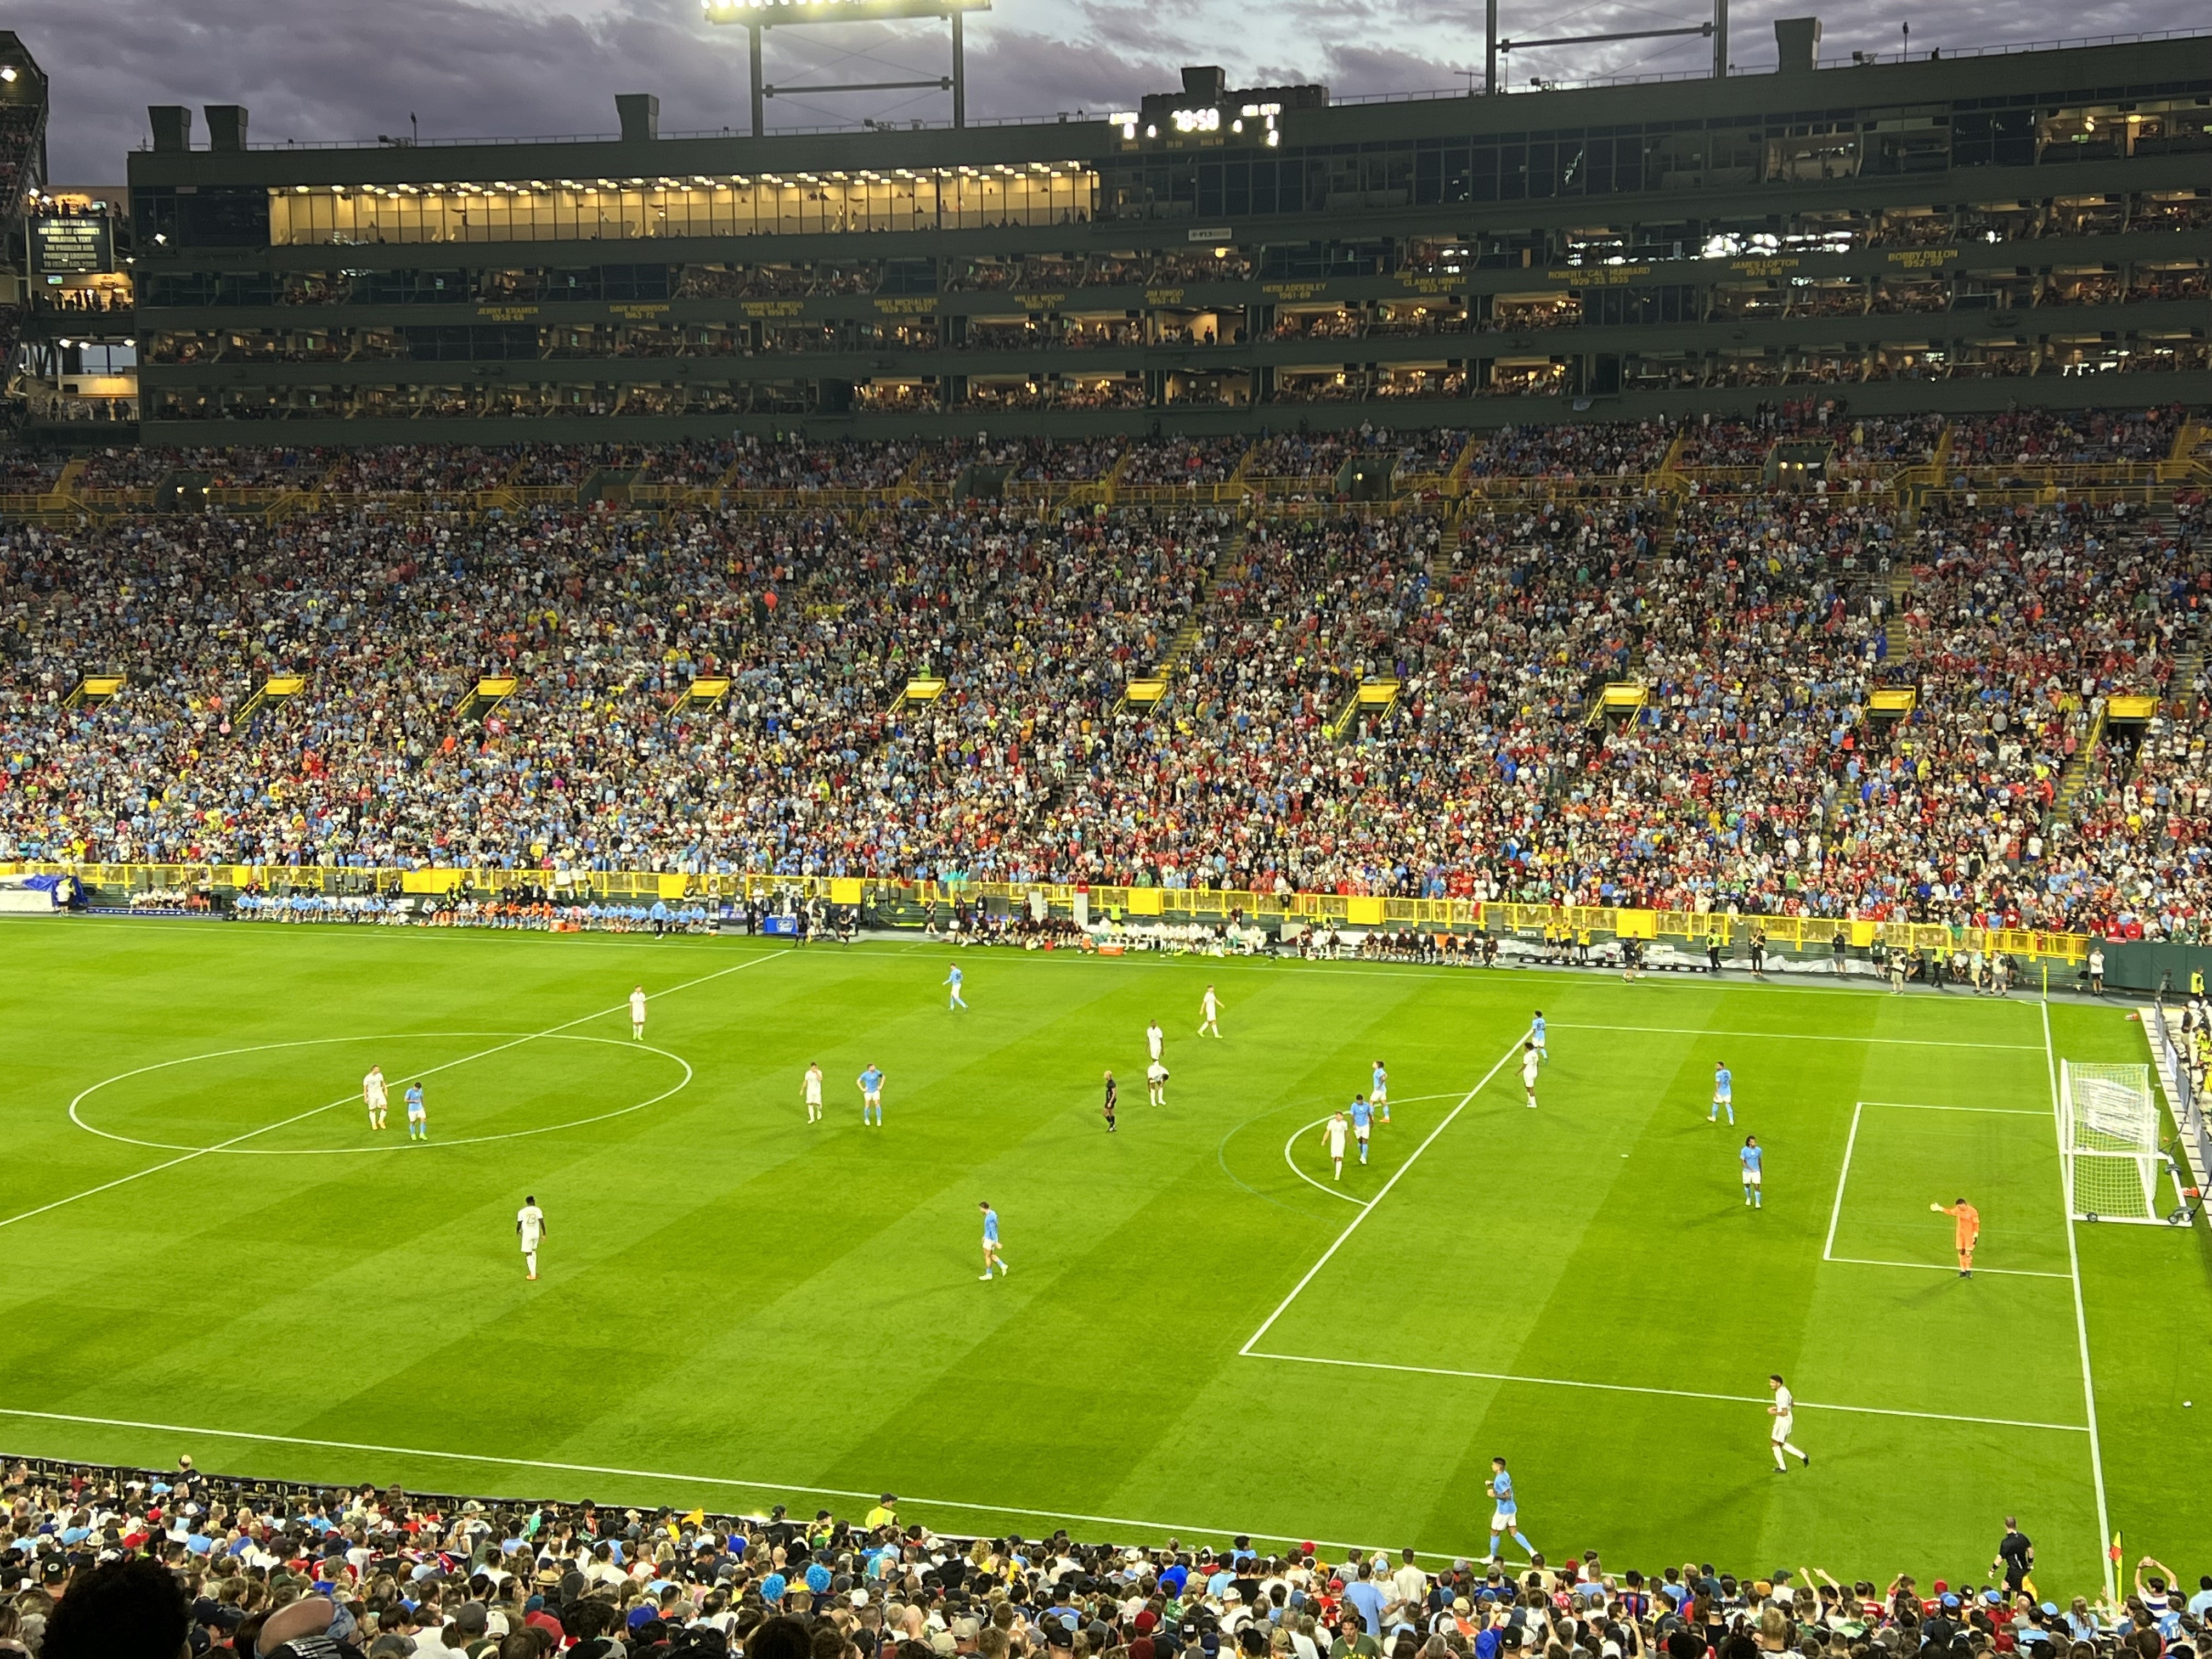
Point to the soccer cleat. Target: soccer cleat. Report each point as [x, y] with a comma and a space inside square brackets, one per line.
[987, 1278]
[1806, 1458]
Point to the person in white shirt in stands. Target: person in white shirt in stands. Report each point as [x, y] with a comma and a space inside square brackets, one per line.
[1409, 1584]
[637, 1013]
[530, 1228]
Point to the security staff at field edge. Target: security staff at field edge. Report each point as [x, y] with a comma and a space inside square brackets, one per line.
[1712, 955]
[2195, 983]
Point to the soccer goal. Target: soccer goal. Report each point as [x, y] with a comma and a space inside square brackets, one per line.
[2108, 1130]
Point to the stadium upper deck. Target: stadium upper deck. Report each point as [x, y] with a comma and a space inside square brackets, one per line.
[1947, 236]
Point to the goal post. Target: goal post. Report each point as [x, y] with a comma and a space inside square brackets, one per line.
[2108, 1135]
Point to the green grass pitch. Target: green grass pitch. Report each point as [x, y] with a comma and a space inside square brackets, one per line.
[1202, 1333]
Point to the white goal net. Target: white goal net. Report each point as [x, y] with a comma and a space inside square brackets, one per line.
[2108, 1132]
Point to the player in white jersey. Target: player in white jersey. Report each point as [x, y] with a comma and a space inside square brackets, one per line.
[1530, 1061]
[637, 1013]
[1784, 1411]
[1155, 1084]
[374, 1097]
[530, 1227]
[1334, 1132]
[810, 1090]
[1210, 1010]
[1154, 1038]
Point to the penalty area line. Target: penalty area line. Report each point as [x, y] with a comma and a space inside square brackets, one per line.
[1671, 1393]
[1382, 1193]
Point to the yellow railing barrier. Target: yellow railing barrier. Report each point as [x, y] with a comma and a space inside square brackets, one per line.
[1813, 933]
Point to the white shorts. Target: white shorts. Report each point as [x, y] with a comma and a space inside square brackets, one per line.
[1782, 1425]
[529, 1245]
[1751, 1177]
[416, 1114]
[1380, 1098]
[990, 1247]
[1362, 1132]
[1504, 1520]
[872, 1097]
[1336, 1149]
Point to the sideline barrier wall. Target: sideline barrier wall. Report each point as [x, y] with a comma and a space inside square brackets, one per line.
[1210, 906]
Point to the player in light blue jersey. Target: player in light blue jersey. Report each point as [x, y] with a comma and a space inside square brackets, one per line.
[1505, 1513]
[1378, 1093]
[1723, 1095]
[991, 1256]
[418, 1115]
[1750, 1157]
[872, 1096]
[952, 980]
[1537, 1036]
[1362, 1123]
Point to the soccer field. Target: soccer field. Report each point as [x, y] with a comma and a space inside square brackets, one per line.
[208, 1250]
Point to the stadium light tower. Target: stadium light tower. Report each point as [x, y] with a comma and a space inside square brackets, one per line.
[758, 16]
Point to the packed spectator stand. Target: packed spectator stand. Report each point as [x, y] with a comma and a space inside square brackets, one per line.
[125, 1563]
[1155, 670]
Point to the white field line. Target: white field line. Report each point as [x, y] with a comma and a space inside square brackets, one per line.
[1368, 1208]
[1159, 1528]
[1844, 1174]
[1916, 1106]
[627, 1044]
[1941, 1267]
[1793, 1036]
[2081, 1317]
[1334, 1192]
[1836, 1209]
[266, 1129]
[1672, 1394]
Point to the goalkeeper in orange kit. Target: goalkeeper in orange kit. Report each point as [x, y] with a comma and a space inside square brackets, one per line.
[1969, 1220]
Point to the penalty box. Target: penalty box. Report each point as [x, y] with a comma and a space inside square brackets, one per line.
[1567, 1271]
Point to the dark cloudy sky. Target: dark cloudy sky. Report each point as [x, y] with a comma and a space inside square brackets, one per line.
[351, 69]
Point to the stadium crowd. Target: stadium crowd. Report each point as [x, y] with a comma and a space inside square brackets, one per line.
[99, 1563]
[1752, 770]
